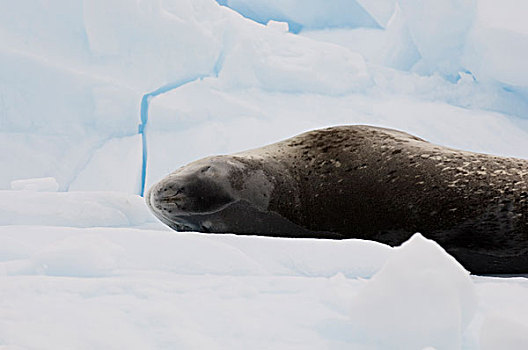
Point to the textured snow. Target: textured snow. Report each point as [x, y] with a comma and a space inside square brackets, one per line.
[84, 265]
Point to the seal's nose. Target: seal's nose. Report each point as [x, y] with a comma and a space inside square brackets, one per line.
[167, 197]
[167, 202]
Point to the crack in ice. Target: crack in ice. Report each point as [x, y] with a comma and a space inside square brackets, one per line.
[145, 102]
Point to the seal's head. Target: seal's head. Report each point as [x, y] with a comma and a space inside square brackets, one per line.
[192, 192]
[197, 196]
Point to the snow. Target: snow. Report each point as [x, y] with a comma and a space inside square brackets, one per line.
[504, 333]
[63, 287]
[392, 47]
[421, 297]
[280, 26]
[498, 45]
[75, 209]
[111, 155]
[44, 184]
[83, 264]
[439, 31]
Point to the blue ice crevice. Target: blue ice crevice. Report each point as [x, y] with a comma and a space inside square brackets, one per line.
[145, 102]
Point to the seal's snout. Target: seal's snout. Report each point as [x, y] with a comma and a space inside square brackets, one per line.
[168, 197]
[179, 196]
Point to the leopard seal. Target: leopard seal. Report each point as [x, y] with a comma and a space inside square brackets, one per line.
[362, 182]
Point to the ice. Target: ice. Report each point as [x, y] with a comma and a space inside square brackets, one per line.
[509, 16]
[241, 119]
[439, 29]
[351, 258]
[392, 47]
[60, 250]
[310, 14]
[399, 50]
[502, 324]
[79, 256]
[288, 68]
[380, 10]
[44, 184]
[120, 35]
[65, 90]
[280, 26]
[121, 157]
[499, 332]
[74, 209]
[421, 297]
[159, 289]
[72, 90]
[90, 267]
[421, 26]
[31, 25]
[498, 46]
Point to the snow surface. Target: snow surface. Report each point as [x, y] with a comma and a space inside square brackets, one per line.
[139, 286]
[428, 287]
[84, 265]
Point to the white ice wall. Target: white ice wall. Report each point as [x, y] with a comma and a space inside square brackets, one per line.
[73, 74]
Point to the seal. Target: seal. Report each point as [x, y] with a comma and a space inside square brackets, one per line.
[359, 182]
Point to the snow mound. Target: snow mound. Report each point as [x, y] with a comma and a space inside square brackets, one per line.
[422, 297]
[88, 252]
[351, 258]
[74, 209]
[43, 184]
